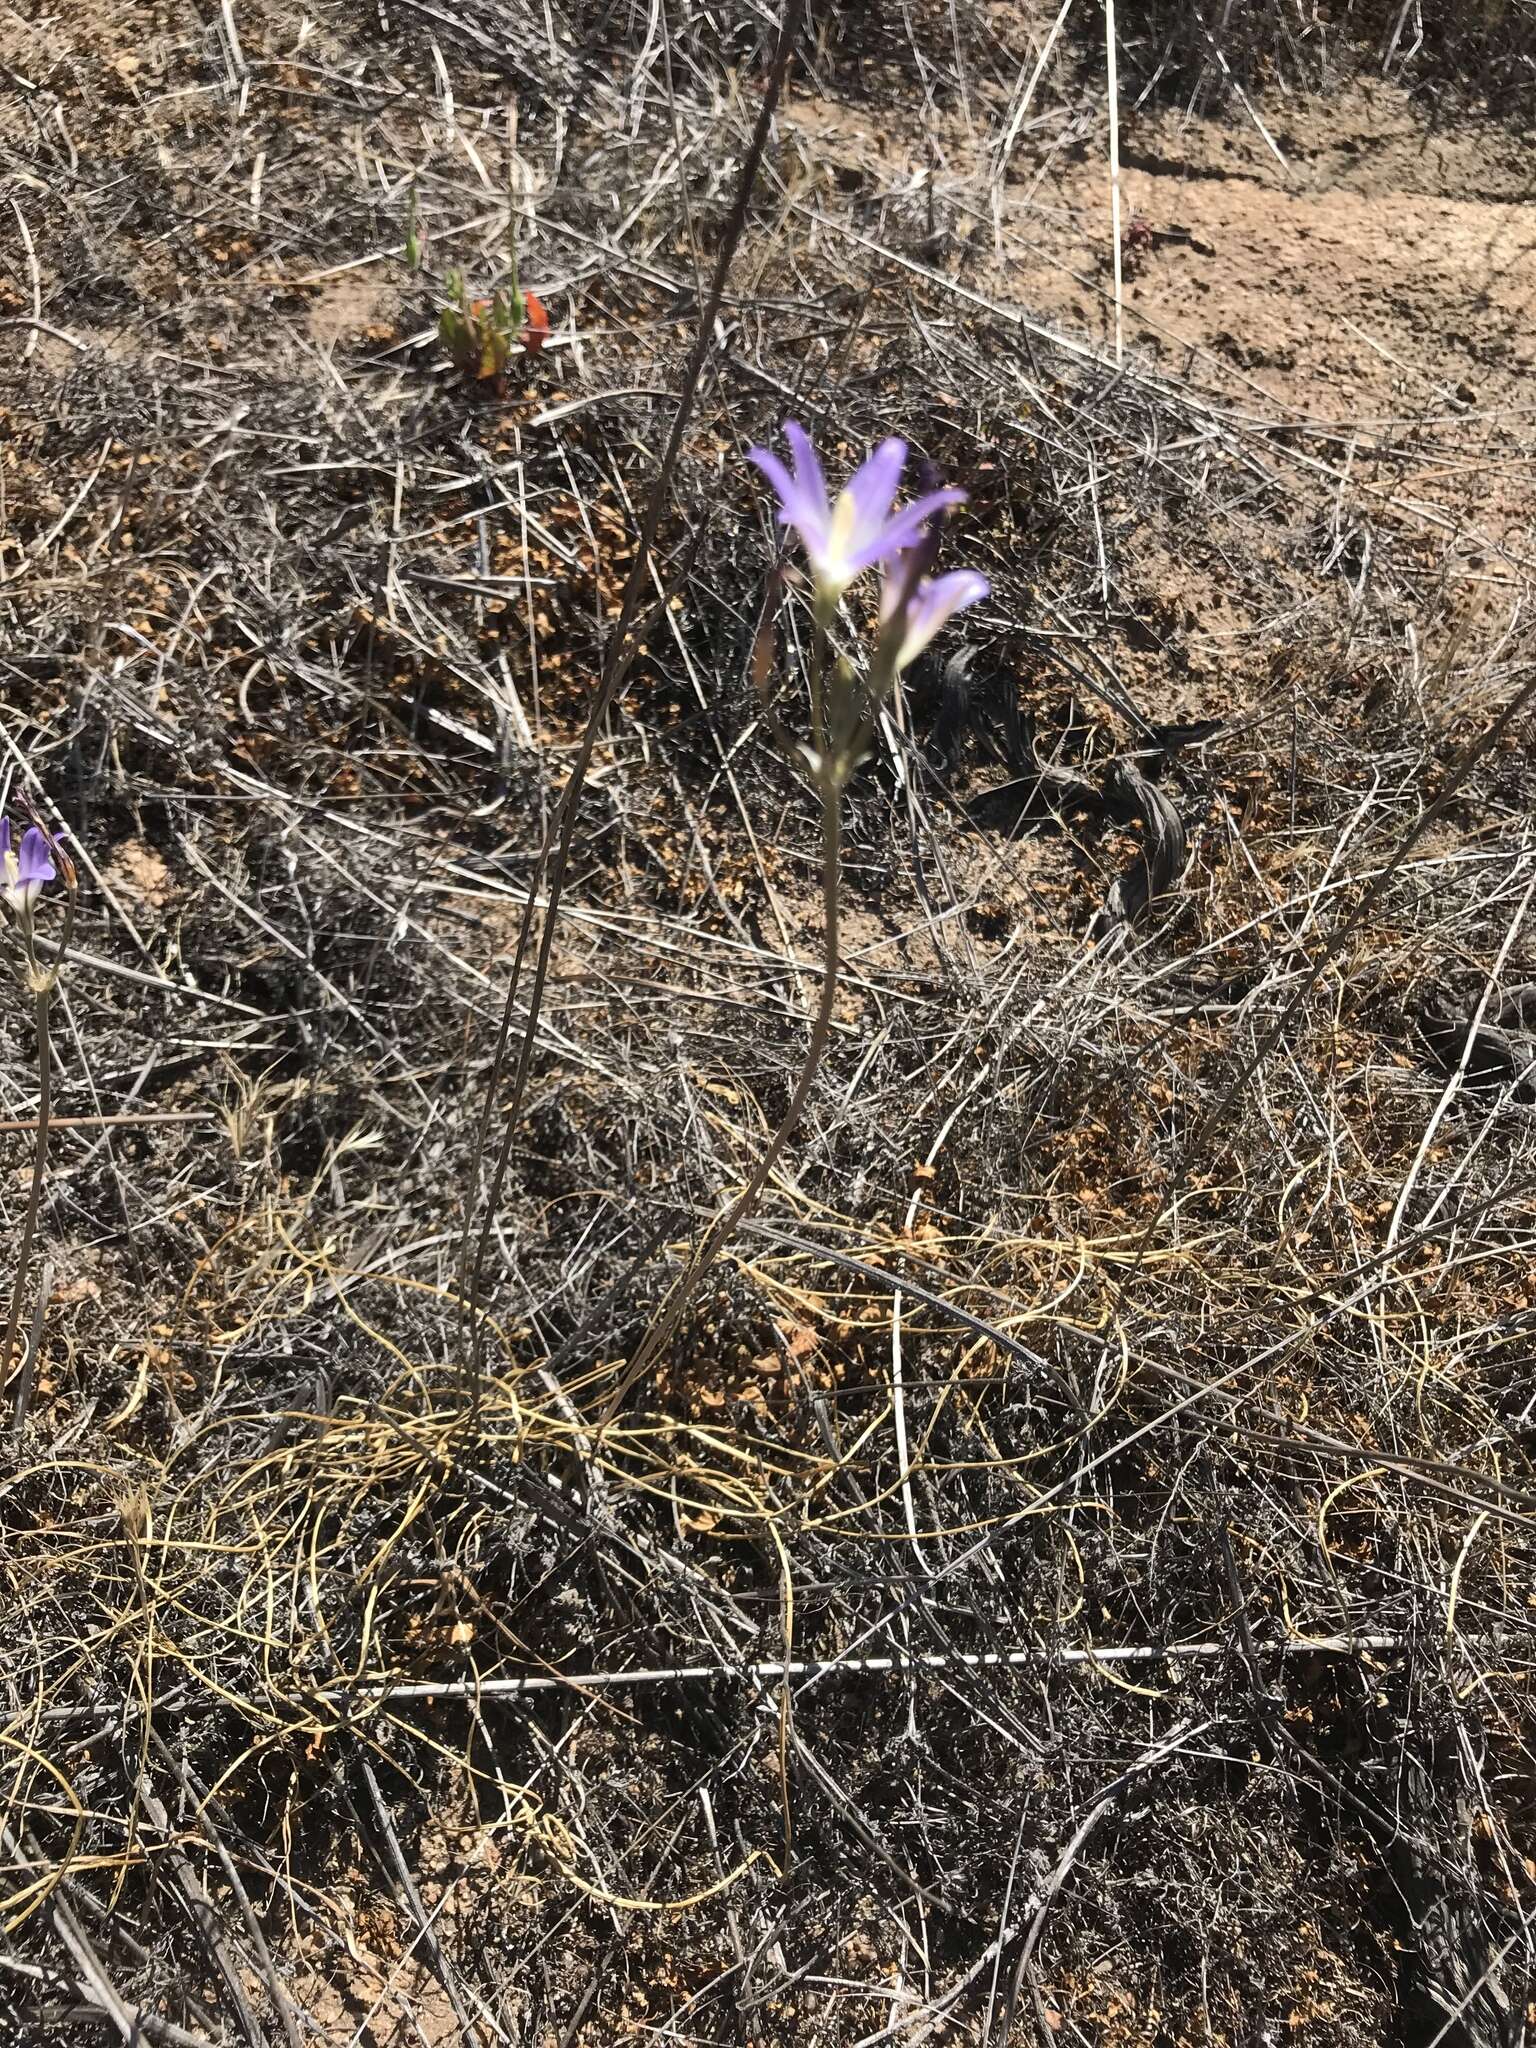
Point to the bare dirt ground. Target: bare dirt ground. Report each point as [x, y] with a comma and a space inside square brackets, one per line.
[1119, 1408]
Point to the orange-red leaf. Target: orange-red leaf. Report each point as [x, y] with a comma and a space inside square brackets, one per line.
[538, 323]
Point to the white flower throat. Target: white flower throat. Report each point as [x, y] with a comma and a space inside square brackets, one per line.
[842, 528]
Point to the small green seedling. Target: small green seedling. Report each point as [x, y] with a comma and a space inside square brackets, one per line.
[415, 240]
[478, 336]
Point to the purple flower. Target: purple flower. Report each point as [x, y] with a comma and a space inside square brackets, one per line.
[23, 875]
[927, 605]
[846, 535]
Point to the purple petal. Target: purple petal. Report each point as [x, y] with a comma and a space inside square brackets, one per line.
[844, 539]
[808, 473]
[931, 606]
[35, 865]
[787, 490]
[902, 528]
[873, 487]
[953, 593]
[921, 510]
[959, 587]
[798, 504]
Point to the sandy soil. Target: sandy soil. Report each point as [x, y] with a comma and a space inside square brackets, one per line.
[1356, 281]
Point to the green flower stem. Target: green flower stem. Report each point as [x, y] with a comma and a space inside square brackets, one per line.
[821, 637]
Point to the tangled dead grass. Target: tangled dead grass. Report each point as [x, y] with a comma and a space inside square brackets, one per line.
[1071, 1576]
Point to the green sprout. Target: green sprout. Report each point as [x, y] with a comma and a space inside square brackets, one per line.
[479, 335]
[415, 240]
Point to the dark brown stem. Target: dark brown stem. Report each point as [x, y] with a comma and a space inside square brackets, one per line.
[44, 999]
[620, 657]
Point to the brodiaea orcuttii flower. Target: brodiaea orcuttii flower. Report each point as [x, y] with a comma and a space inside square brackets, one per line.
[846, 535]
[927, 605]
[25, 873]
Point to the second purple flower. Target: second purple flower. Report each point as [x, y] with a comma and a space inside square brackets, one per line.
[24, 874]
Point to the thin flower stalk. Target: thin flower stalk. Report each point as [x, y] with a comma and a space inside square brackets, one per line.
[842, 537]
[25, 873]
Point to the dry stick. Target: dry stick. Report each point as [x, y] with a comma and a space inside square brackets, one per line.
[204, 1917]
[27, 1377]
[35, 276]
[903, 1283]
[619, 660]
[1058, 1877]
[152, 2026]
[267, 1968]
[25, 1854]
[93, 1123]
[1112, 88]
[862, 1826]
[1021, 104]
[774, 1671]
[1452, 2017]
[43, 999]
[446, 1975]
[1458, 1077]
